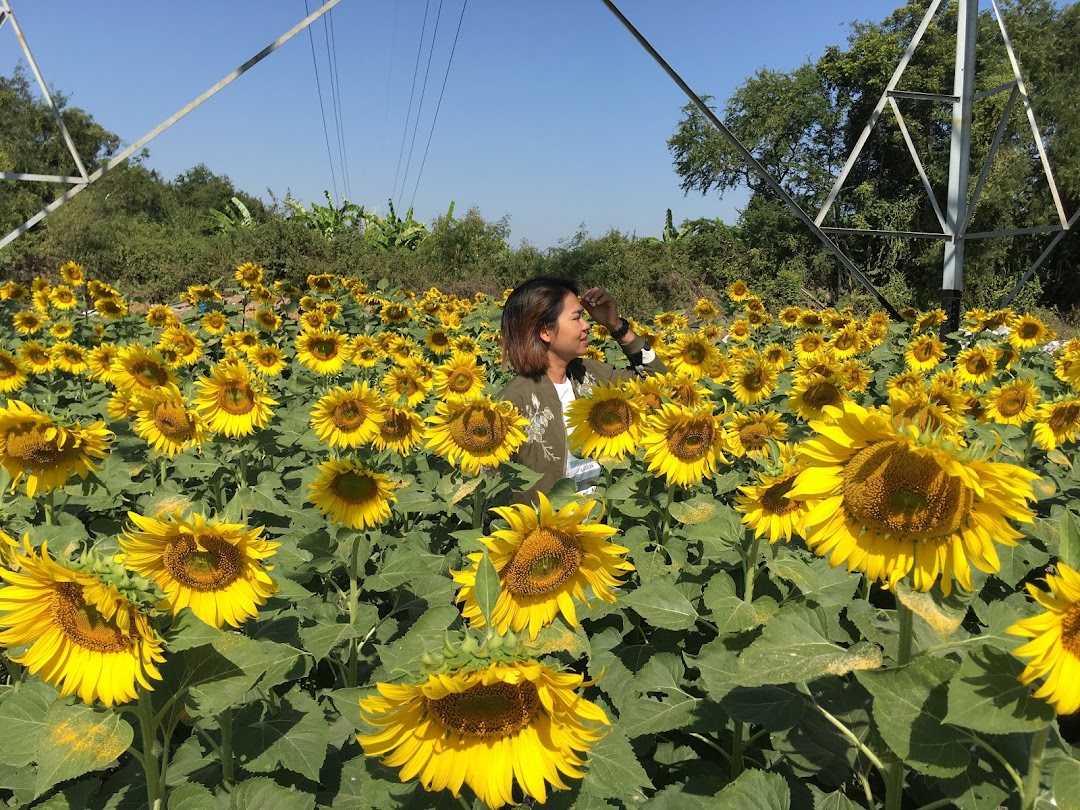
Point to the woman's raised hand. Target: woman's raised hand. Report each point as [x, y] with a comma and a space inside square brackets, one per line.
[601, 307]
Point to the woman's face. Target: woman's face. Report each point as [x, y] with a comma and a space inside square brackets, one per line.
[570, 338]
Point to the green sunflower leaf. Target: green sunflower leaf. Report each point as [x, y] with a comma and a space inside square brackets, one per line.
[661, 604]
[487, 587]
[265, 792]
[614, 770]
[1069, 546]
[756, 790]
[191, 796]
[77, 740]
[910, 708]
[986, 695]
[293, 735]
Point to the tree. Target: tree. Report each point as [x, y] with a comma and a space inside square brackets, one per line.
[802, 124]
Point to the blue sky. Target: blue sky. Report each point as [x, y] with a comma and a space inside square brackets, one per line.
[552, 115]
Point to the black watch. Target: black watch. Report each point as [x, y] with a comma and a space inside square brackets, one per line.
[624, 327]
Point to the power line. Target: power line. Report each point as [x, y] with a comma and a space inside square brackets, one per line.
[423, 91]
[322, 109]
[438, 105]
[335, 90]
[408, 115]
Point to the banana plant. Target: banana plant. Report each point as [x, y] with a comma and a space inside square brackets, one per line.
[235, 216]
[392, 231]
[329, 220]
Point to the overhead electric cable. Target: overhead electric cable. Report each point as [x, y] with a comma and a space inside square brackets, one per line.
[390, 74]
[322, 109]
[335, 90]
[408, 115]
[423, 91]
[438, 105]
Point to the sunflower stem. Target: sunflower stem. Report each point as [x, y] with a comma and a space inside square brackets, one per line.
[49, 503]
[750, 574]
[478, 506]
[894, 776]
[737, 749]
[150, 763]
[354, 607]
[225, 722]
[666, 527]
[162, 473]
[1031, 780]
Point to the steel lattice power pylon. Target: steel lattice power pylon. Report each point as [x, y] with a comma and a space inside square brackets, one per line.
[956, 217]
[84, 180]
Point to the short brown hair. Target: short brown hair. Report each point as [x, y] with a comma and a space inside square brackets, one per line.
[532, 306]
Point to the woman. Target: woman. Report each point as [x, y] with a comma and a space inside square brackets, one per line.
[544, 337]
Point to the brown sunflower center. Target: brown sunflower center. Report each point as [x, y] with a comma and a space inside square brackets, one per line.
[811, 344]
[82, 623]
[28, 445]
[149, 374]
[354, 487]
[8, 367]
[775, 501]
[754, 380]
[213, 567]
[478, 429]
[488, 711]
[977, 365]
[461, 381]
[822, 393]
[610, 417]
[1070, 630]
[325, 349]
[349, 414]
[652, 400]
[439, 339]
[396, 426]
[896, 491]
[1064, 417]
[691, 439]
[755, 435]
[1012, 402]
[1028, 331]
[236, 398]
[694, 355]
[545, 560]
[172, 421]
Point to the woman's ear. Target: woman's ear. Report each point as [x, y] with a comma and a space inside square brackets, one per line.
[545, 334]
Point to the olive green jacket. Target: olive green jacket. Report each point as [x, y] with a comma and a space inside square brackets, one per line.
[544, 449]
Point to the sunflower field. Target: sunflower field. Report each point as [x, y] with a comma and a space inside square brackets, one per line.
[266, 549]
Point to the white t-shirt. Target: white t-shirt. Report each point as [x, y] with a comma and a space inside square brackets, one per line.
[585, 472]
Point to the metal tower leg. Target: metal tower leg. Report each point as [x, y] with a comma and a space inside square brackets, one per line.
[952, 280]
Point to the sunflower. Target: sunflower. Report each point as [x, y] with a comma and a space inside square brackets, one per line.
[914, 407]
[906, 380]
[365, 351]
[749, 434]
[72, 273]
[752, 381]
[160, 315]
[1013, 403]
[692, 355]
[167, 424]
[12, 291]
[460, 377]
[740, 331]
[893, 500]
[705, 310]
[809, 344]
[352, 495]
[347, 417]
[684, 444]
[139, 369]
[683, 389]
[394, 312]
[111, 309]
[13, 374]
[650, 392]
[47, 454]
[738, 290]
[404, 350]
[217, 570]
[1056, 423]
[267, 319]
[261, 294]
[474, 433]
[605, 424]
[313, 321]
[465, 345]
[188, 348]
[331, 309]
[268, 361]
[404, 385]
[766, 507]
[248, 274]
[789, 316]
[322, 282]
[1054, 648]
[401, 430]
[84, 636]
[487, 728]
[757, 319]
[545, 560]
[846, 342]
[62, 297]
[28, 322]
[200, 294]
[924, 352]
[438, 341]
[928, 320]
[1028, 332]
[324, 352]
[61, 330]
[776, 355]
[214, 322]
[855, 375]
[811, 394]
[1067, 368]
[69, 357]
[233, 401]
